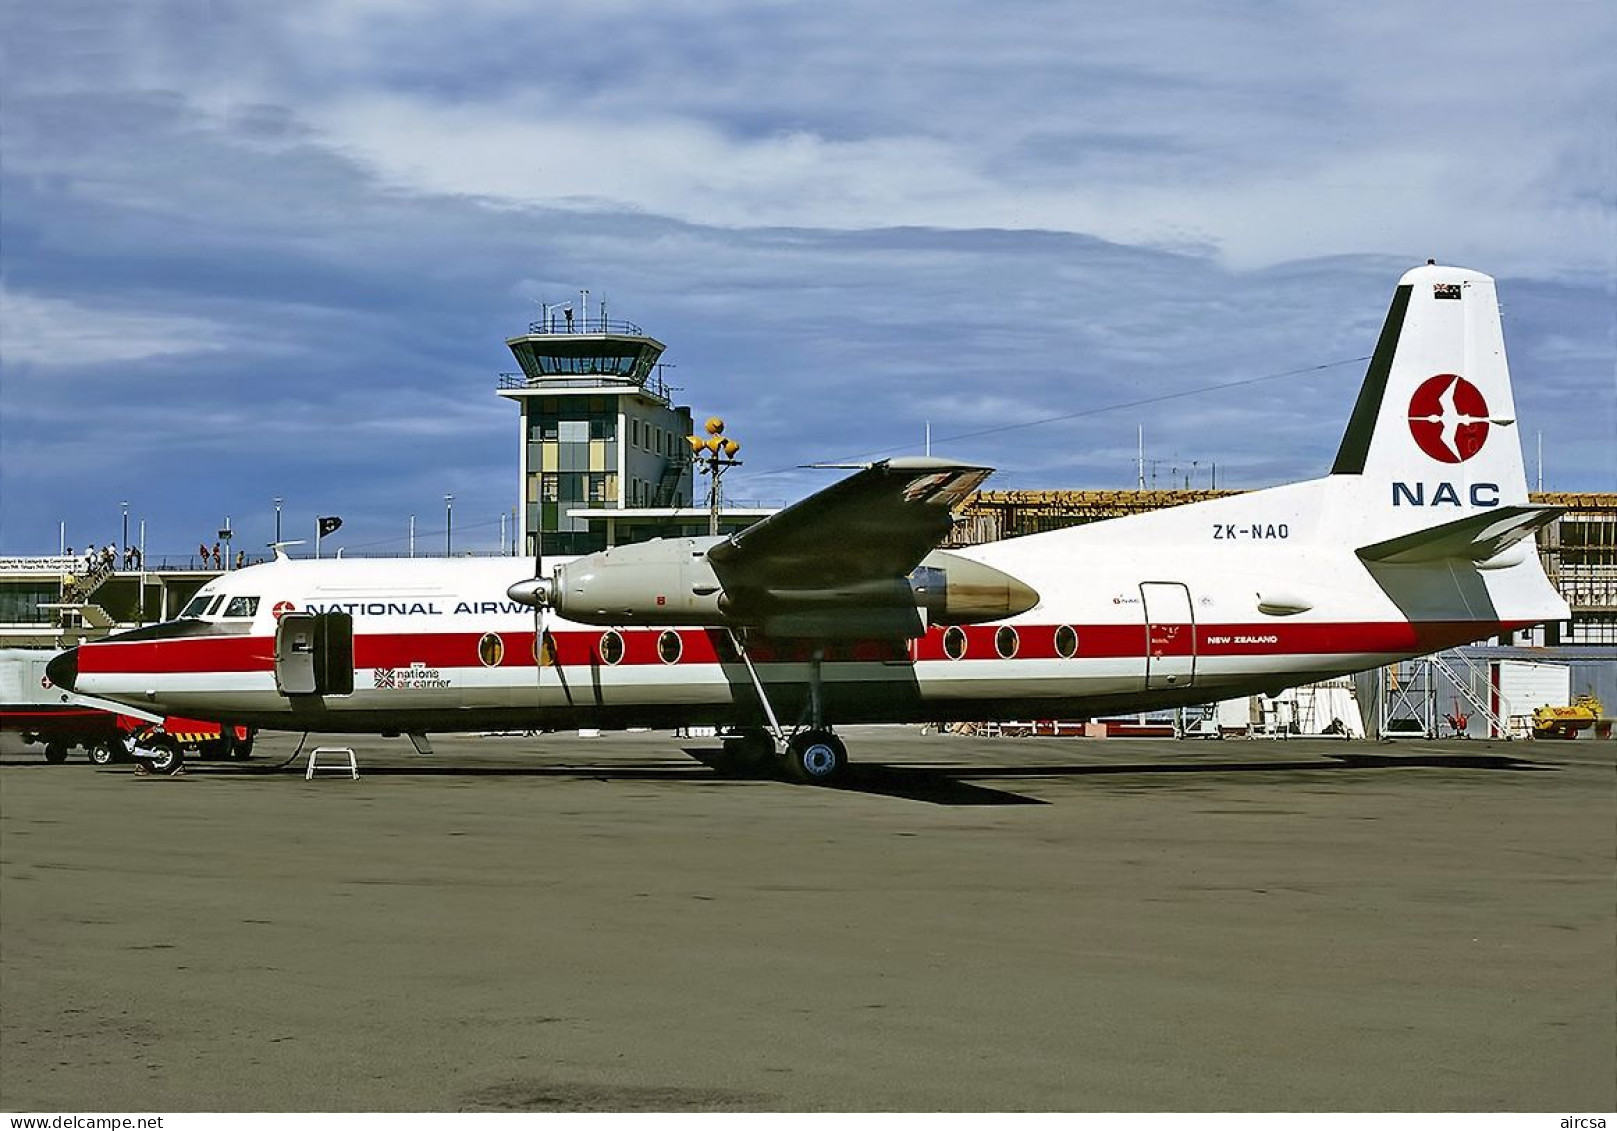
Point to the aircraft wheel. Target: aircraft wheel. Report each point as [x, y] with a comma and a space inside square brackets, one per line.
[164, 755]
[747, 755]
[243, 749]
[56, 753]
[104, 753]
[817, 757]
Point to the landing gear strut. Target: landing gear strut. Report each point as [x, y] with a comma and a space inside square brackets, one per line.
[812, 754]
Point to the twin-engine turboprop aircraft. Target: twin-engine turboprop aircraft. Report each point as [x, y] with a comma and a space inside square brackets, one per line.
[840, 609]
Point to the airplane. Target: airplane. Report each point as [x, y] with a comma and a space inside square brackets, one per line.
[841, 609]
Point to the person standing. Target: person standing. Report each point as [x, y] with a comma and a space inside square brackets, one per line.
[218, 558]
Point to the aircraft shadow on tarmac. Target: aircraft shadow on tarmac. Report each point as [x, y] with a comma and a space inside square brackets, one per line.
[943, 785]
[953, 783]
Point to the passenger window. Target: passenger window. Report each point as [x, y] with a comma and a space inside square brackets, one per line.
[1066, 642]
[954, 642]
[1006, 642]
[669, 647]
[242, 607]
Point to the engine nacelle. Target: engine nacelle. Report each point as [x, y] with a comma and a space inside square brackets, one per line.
[956, 590]
[665, 581]
[670, 581]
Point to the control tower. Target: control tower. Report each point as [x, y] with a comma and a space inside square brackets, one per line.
[603, 453]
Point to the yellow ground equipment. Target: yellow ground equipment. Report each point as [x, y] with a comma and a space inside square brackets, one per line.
[1566, 722]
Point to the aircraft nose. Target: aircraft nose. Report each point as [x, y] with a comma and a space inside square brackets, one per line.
[63, 670]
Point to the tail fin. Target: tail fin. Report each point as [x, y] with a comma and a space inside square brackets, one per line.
[1434, 431]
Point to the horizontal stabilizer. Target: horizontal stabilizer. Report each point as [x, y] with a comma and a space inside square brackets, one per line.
[1477, 537]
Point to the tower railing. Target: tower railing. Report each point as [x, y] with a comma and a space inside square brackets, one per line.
[652, 386]
[563, 325]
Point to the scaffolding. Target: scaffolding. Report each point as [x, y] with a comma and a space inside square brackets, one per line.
[1408, 694]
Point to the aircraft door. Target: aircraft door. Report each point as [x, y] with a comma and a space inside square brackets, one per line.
[1170, 635]
[334, 645]
[295, 654]
[314, 654]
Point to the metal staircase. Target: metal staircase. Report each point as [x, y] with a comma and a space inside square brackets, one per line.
[673, 472]
[1408, 694]
[1466, 686]
[85, 584]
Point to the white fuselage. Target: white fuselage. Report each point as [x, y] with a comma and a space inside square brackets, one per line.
[1196, 603]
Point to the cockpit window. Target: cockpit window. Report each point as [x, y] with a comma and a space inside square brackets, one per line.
[214, 608]
[242, 607]
[196, 606]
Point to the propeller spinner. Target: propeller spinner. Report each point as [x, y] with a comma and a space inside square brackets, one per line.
[536, 592]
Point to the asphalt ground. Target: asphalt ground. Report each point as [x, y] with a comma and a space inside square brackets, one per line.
[566, 923]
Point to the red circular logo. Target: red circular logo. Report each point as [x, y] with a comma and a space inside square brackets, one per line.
[1448, 417]
[282, 608]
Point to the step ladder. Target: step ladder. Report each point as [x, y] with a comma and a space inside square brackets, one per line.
[332, 752]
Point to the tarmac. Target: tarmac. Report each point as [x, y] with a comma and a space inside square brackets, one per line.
[558, 923]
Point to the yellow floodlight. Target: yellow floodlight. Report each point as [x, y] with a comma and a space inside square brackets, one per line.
[731, 447]
[697, 444]
[715, 425]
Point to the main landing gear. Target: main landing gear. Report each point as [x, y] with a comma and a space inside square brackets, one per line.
[812, 754]
[816, 756]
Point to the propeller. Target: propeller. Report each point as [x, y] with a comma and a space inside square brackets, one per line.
[539, 591]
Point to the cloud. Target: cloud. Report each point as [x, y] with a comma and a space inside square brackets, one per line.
[284, 244]
[1269, 139]
[37, 331]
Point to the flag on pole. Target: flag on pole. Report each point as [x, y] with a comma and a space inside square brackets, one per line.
[329, 524]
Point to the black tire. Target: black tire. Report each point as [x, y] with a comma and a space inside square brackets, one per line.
[816, 757]
[163, 755]
[243, 748]
[56, 753]
[746, 755]
[104, 752]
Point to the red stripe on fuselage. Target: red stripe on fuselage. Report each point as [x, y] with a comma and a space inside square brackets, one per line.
[582, 648]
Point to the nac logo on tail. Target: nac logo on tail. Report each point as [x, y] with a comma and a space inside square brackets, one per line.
[1448, 416]
[1449, 421]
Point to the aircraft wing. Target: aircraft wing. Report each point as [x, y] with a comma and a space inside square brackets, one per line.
[875, 525]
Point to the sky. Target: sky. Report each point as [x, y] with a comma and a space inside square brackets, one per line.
[253, 251]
